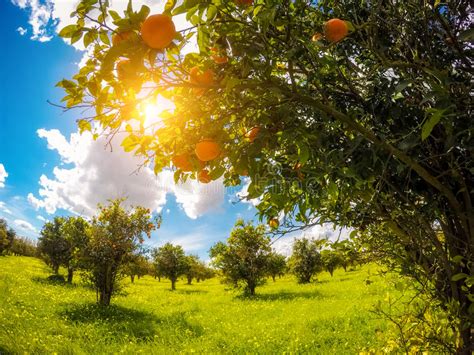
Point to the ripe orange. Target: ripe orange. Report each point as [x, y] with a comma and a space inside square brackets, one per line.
[121, 36]
[335, 30]
[207, 150]
[274, 223]
[199, 77]
[203, 176]
[244, 2]
[158, 31]
[218, 56]
[252, 134]
[182, 162]
[244, 172]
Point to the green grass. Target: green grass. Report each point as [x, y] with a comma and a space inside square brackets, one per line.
[331, 316]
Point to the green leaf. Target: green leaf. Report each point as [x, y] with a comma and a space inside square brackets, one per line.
[431, 123]
[68, 31]
[467, 35]
[459, 276]
[169, 6]
[84, 125]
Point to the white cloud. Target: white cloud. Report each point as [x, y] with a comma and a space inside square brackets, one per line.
[3, 175]
[41, 218]
[22, 31]
[96, 173]
[24, 225]
[242, 195]
[327, 231]
[50, 16]
[4, 208]
[40, 17]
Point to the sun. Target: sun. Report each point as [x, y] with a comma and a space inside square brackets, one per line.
[152, 109]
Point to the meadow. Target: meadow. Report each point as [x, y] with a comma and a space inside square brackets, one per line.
[329, 316]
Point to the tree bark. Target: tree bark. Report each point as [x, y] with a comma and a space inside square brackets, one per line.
[173, 284]
[132, 278]
[70, 274]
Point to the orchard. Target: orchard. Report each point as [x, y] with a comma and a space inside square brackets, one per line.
[356, 113]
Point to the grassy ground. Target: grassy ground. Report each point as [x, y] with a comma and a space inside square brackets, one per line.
[331, 316]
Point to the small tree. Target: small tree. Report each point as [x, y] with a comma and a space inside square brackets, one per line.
[331, 259]
[276, 265]
[137, 265]
[306, 259]
[7, 236]
[74, 232]
[52, 245]
[114, 235]
[193, 268]
[245, 256]
[171, 262]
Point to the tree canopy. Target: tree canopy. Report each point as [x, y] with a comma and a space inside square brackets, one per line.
[371, 129]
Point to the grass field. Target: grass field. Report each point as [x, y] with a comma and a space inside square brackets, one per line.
[331, 316]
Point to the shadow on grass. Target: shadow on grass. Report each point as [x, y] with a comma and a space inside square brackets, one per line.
[280, 296]
[5, 351]
[189, 292]
[130, 323]
[57, 280]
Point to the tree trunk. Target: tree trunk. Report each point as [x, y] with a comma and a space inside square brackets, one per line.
[139, 276]
[331, 272]
[173, 284]
[55, 269]
[273, 277]
[70, 274]
[190, 280]
[132, 278]
[251, 289]
[159, 279]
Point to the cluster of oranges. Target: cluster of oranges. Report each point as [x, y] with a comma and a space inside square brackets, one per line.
[158, 31]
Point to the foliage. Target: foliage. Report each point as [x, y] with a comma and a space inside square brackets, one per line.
[202, 318]
[7, 236]
[305, 260]
[276, 265]
[331, 260]
[136, 265]
[114, 235]
[24, 246]
[52, 244]
[245, 256]
[373, 132]
[171, 262]
[61, 242]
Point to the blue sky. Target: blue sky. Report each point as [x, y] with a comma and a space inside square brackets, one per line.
[29, 71]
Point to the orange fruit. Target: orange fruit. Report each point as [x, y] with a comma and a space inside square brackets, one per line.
[274, 223]
[207, 150]
[158, 31]
[203, 176]
[182, 162]
[244, 2]
[335, 30]
[218, 56]
[252, 134]
[199, 77]
[244, 172]
[121, 36]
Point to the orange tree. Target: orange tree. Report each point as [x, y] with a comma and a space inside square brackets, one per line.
[115, 234]
[359, 113]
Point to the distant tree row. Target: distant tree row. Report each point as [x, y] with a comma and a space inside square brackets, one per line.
[171, 262]
[11, 243]
[247, 259]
